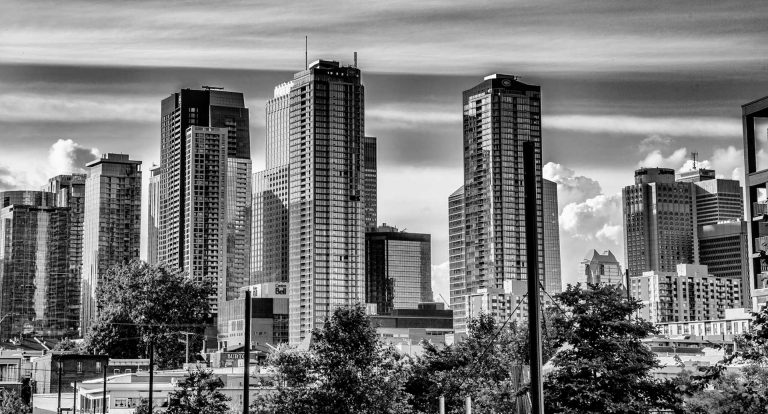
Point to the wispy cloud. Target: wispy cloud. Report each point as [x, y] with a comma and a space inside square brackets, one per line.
[76, 108]
[619, 124]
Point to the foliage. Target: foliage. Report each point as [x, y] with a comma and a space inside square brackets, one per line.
[198, 393]
[481, 366]
[68, 345]
[346, 370]
[604, 367]
[734, 392]
[139, 303]
[11, 403]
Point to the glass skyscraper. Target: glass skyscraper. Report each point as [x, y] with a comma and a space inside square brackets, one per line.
[552, 266]
[370, 182]
[500, 114]
[111, 225]
[153, 214]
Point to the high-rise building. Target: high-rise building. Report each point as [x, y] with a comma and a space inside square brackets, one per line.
[696, 175]
[153, 214]
[225, 142]
[326, 189]
[723, 248]
[601, 268]
[689, 293]
[398, 269]
[457, 281]
[69, 191]
[718, 200]
[112, 223]
[659, 222]
[36, 289]
[370, 182]
[500, 114]
[552, 269]
[756, 202]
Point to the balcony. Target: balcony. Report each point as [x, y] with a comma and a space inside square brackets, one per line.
[759, 210]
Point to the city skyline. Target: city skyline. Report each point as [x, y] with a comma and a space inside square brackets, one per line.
[601, 119]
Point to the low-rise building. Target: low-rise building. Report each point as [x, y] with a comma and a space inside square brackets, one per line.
[269, 317]
[690, 294]
[430, 322]
[736, 322]
[65, 368]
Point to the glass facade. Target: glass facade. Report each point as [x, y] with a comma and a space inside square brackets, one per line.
[269, 234]
[36, 289]
[153, 214]
[370, 182]
[111, 224]
[326, 240]
[601, 268]
[552, 267]
[458, 285]
[238, 233]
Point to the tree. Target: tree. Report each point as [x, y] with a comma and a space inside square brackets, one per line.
[346, 370]
[604, 367]
[11, 403]
[140, 303]
[68, 345]
[198, 393]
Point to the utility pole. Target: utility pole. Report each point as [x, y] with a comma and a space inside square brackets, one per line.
[532, 265]
[104, 391]
[58, 405]
[74, 396]
[151, 370]
[247, 351]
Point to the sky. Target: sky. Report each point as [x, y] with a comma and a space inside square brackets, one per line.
[624, 85]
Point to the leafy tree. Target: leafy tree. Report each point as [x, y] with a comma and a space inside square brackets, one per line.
[486, 365]
[346, 370]
[198, 393]
[604, 367]
[67, 345]
[734, 392]
[11, 403]
[140, 303]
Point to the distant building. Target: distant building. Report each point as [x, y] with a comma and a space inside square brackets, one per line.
[370, 182]
[269, 226]
[74, 368]
[736, 322]
[429, 321]
[723, 248]
[696, 175]
[659, 222]
[552, 269]
[37, 288]
[601, 268]
[238, 227]
[153, 214]
[112, 223]
[689, 294]
[269, 317]
[458, 282]
[398, 269]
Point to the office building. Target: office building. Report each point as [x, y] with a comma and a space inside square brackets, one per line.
[688, 294]
[225, 141]
[369, 182]
[430, 322]
[552, 269]
[398, 269]
[599, 268]
[36, 287]
[718, 200]
[499, 114]
[723, 248]
[69, 192]
[326, 189]
[153, 214]
[269, 317]
[112, 223]
[659, 222]
[696, 175]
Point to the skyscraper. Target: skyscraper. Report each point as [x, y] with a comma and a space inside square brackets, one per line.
[500, 114]
[552, 269]
[326, 189]
[601, 268]
[153, 214]
[370, 182]
[36, 289]
[226, 116]
[111, 226]
[458, 283]
[723, 248]
[659, 222]
[398, 269]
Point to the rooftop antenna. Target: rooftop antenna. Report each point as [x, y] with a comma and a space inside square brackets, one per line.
[694, 155]
[306, 52]
[355, 59]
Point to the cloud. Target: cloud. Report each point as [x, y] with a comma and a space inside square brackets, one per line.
[441, 282]
[598, 218]
[654, 142]
[7, 179]
[655, 158]
[709, 127]
[410, 115]
[570, 187]
[66, 156]
[24, 107]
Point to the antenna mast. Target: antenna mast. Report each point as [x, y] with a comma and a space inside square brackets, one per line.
[306, 52]
[694, 155]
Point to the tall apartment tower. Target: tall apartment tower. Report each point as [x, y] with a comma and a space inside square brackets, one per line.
[224, 141]
[36, 289]
[69, 192]
[398, 269]
[112, 223]
[370, 182]
[756, 201]
[326, 190]
[153, 214]
[457, 281]
[552, 269]
[659, 222]
[500, 114]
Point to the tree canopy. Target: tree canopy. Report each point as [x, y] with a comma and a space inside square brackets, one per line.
[11, 403]
[138, 303]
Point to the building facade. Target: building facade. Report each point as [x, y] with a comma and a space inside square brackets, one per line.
[238, 218]
[689, 294]
[153, 213]
[599, 268]
[326, 211]
[112, 223]
[370, 182]
[499, 114]
[724, 249]
[552, 266]
[37, 293]
[398, 269]
[269, 317]
[457, 281]
[659, 222]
